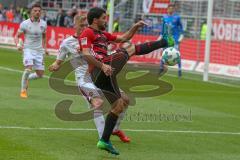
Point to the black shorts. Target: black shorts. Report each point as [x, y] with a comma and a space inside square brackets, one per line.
[109, 84]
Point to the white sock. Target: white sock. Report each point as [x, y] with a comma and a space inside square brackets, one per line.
[25, 76]
[120, 118]
[33, 76]
[99, 121]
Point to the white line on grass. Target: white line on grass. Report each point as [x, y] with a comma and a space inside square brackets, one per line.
[89, 129]
[129, 130]
[209, 81]
[172, 75]
[19, 71]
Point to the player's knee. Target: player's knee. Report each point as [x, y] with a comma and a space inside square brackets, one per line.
[130, 49]
[96, 102]
[40, 74]
[126, 100]
[118, 106]
[28, 70]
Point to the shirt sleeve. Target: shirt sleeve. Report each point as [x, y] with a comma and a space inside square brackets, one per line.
[110, 37]
[86, 38]
[45, 27]
[21, 28]
[62, 53]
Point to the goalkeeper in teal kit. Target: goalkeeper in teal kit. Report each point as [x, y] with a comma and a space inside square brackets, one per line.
[171, 22]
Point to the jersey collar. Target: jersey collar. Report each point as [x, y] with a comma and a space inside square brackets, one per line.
[34, 21]
[95, 29]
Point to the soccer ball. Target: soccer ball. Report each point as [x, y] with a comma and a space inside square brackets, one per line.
[171, 56]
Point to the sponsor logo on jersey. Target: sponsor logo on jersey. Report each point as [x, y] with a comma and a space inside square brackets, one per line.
[84, 41]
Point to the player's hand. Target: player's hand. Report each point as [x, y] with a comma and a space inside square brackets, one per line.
[107, 69]
[54, 67]
[20, 44]
[46, 52]
[79, 50]
[140, 24]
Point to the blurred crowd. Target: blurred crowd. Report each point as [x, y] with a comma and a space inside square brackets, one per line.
[18, 14]
[13, 14]
[64, 18]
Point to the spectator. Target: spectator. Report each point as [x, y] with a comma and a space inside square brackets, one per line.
[116, 23]
[1, 7]
[68, 20]
[24, 13]
[17, 16]
[1, 16]
[157, 28]
[1, 13]
[60, 18]
[45, 17]
[10, 13]
[203, 32]
[83, 4]
[148, 29]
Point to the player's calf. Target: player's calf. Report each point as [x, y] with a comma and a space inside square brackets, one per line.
[118, 107]
[117, 132]
[125, 99]
[24, 82]
[99, 120]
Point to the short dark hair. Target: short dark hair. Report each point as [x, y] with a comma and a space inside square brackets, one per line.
[95, 12]
[36, 5]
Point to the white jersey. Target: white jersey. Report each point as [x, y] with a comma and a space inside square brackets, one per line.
[69, 48]
[33, 33]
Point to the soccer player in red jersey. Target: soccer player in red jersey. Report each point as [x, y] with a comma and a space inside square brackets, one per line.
[94, 42]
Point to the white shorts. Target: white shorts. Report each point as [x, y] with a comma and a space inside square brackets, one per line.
[87, 87]
[33, 58]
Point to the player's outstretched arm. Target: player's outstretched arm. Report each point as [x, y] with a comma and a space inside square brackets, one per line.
[130, 33]
[55, 66]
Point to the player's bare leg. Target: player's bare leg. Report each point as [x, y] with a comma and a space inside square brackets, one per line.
[116, 130]
[36, 75]
[24, 81]
[111, 119]
[99, 120]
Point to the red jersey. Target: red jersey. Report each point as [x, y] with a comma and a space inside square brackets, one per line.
[96, 40]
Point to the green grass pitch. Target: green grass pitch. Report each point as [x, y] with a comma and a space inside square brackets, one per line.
[209, 128]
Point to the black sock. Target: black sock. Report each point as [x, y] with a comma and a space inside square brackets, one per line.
[148, 47]
[110, 122]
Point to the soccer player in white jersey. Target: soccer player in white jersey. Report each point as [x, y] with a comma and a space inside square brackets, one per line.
[70, 48]
[34, 47]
